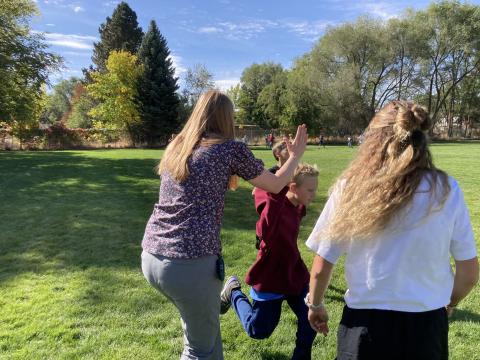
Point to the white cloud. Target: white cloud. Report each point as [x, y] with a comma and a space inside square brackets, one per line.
[209, 29]
[76, 53]
[239, 31]
[308, 30]
[381, 10]
[225, 84]
[53, 2]
[70, 41]
[63, 4]
[111, 3]
[49, 24]
[177, 64]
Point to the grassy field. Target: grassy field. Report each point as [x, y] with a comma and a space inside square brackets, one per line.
[71, 287]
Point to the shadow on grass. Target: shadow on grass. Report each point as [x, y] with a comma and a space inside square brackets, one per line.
[273, 355]
[466, 316]
[335, 294]
[240, 213]
[65, 210]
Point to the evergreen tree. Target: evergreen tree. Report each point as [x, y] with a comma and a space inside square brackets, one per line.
[120, 32]
[157, 88]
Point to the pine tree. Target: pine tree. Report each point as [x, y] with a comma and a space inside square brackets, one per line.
[157, 88]
[120, 32]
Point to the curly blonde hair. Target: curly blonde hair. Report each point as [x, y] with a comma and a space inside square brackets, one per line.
[383, 177]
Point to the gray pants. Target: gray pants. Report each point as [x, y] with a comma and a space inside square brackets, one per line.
[193, 287]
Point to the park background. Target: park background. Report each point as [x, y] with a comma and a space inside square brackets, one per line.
[72, 220]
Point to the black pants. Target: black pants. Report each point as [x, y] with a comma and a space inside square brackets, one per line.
[370, 334]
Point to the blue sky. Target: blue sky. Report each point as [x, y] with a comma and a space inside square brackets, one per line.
[224, 35]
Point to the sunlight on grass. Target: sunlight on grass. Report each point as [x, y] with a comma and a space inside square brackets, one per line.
[70, 280]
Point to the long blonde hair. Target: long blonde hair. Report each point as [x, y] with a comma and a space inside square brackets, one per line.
[211, 123]
[383, 177]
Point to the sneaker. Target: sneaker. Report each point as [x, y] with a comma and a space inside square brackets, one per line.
[232, 283]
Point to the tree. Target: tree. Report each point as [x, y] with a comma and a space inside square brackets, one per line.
[197, 81]
[116, 91]
[81, 104]
[59, 102]
[253, 80]
[24, 62]
[157, 88]
[234, 94]
[450, 55]
[120, 32]
[272, 101]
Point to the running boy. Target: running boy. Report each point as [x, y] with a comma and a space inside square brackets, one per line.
[279, 272]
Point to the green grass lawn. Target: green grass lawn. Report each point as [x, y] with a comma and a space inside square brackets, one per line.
[71, 223]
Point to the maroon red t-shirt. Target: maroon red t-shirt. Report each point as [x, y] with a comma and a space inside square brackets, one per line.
[279, 267]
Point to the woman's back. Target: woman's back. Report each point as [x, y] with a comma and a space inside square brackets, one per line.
[186, 220]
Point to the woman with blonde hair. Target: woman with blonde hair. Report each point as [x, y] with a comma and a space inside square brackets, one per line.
[398, 219]
[181, 247]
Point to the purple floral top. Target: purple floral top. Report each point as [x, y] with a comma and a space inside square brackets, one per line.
[186, 221]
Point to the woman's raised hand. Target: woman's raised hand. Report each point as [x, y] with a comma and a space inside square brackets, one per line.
[296, 148]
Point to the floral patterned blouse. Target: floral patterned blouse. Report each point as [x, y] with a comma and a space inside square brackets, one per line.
[186, 220]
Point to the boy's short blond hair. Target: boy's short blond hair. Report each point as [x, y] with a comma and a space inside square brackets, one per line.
[302, 171]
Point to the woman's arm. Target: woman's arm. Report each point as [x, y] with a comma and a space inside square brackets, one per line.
[466, 277]
[275, 182]
[319, 279]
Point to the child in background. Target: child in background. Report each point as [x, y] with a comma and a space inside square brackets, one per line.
[280, 154]
[279, 272]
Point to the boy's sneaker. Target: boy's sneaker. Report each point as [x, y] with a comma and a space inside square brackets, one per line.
[232, 283]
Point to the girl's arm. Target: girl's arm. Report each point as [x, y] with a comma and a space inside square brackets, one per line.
[319, 279]
[274, 183]
[466, 276]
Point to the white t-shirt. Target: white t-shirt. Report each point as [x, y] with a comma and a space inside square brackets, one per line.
[407, 266]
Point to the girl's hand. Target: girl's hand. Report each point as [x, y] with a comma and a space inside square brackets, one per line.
[296, 148]
[319, 320]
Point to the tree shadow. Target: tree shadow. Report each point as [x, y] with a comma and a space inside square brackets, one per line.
[64, 210]
[69, 210]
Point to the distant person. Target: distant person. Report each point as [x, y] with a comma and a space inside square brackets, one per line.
[349, 141]
[279, 273]
[321, 141]
[398, 219]
[245, 139]
[182, 253]
[270, 140]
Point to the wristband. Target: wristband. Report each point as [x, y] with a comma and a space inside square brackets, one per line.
[311, 306]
